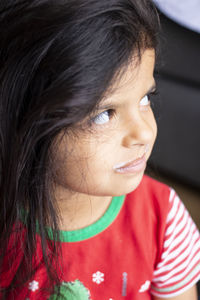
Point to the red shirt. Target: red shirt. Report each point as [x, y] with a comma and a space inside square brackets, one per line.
[146, 243]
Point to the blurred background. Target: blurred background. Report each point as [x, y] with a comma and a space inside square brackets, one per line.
[176, 156]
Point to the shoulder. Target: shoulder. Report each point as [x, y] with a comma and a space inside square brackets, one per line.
[152, 195]
[149, 207]
[153, 187]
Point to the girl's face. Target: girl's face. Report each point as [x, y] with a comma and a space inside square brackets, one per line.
[110, 158]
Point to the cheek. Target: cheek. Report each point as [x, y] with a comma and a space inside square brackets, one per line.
[82, 168]
[87, 177]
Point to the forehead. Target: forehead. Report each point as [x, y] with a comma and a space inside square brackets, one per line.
[136, 78]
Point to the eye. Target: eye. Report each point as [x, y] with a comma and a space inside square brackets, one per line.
[103, 117]
[144, 101]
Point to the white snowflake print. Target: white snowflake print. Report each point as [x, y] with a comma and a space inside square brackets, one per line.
[33, 285]
[145, 286]
[98, 277]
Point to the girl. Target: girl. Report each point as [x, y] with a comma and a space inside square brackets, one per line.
[79, 220]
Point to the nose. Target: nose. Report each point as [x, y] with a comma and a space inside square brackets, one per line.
[139, 131]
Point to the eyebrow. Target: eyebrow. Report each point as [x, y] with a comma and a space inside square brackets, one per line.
[113, 105]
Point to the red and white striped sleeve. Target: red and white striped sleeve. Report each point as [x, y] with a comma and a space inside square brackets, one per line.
[179, 266]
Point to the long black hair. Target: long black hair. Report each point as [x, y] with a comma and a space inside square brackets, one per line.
[57, 59]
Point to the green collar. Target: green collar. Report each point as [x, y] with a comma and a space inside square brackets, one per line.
[89, 231]
[95, 228]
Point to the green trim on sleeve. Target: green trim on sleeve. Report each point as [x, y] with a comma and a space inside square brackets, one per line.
[180, 284]
[95, 228]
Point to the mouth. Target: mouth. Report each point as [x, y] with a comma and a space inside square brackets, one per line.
[133, 166]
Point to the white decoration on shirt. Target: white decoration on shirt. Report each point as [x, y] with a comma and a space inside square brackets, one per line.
[145, 286]
[33, 285]
[124, 283]
[98, 277]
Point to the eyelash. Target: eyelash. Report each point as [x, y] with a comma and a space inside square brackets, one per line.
[112, 112]
[152, 94]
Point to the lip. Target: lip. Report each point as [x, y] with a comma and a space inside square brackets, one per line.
[131, 167]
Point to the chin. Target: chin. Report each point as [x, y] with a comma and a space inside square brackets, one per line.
[128, 185]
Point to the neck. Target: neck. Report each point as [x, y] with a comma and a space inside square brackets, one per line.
[77, 210]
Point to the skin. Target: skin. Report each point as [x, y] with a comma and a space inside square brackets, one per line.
[85, 180]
